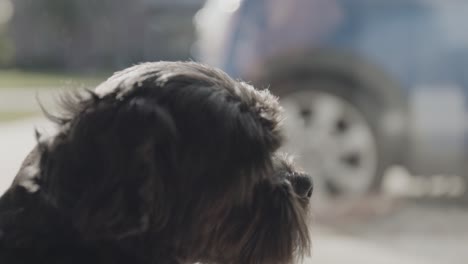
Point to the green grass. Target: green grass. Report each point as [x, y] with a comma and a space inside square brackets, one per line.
[12, 116]
[25, 79]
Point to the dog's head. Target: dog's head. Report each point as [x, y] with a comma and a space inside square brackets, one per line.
[177, 157]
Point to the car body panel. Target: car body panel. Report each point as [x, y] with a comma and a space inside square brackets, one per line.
[421, 45]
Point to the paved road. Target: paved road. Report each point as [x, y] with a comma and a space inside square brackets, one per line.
[416, 230]
[393, 236]
[333, 248]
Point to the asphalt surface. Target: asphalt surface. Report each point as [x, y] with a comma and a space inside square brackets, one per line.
[372, 230]
[414, 230]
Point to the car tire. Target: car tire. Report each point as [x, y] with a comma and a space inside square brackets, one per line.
[364, 87]
[350, 171]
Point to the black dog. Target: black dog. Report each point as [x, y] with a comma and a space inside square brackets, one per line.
[165, 162]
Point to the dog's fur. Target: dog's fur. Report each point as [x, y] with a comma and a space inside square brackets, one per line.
[165, 162]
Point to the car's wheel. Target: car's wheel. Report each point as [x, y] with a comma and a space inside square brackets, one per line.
[333, 139]
[346, 118]
[332, 128]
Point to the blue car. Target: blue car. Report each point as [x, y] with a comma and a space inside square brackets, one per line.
[366, 84]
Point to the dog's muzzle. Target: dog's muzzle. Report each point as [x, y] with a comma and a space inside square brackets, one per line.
[303, 185]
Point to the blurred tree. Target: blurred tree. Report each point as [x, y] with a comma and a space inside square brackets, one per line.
[6, 48]
[110, 34]
[63, 13]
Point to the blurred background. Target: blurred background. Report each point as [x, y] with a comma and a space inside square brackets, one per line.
[375, 96]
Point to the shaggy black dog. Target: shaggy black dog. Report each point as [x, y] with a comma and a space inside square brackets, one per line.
[165, 162]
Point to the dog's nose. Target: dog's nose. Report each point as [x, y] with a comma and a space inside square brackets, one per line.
[302, 185]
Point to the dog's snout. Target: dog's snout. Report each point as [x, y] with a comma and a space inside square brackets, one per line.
[303, 185]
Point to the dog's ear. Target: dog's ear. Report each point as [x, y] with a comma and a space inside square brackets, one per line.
[110, 169]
